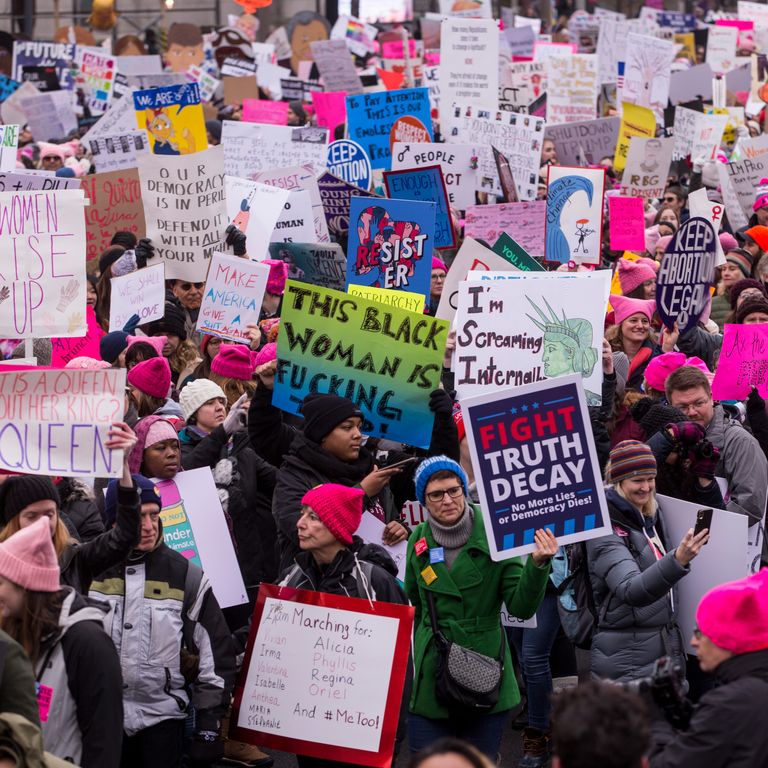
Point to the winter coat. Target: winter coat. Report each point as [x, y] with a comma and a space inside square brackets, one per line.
[468, 600]
[700, 343]
[725, 730]
[17, 681]
[639, 363]
[721, 308]
[80, 669]
[153, 603]
[78, 504]
[634, 596]
[245, 483]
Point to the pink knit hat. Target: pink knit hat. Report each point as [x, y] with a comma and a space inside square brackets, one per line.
[728, 241]
[663, 242]
[652, 263]
[153, 377]
[660, 367]
[624, 308]
[278, 274]
[734, 615]
[158, 342]
[87, 363]
[761, 195]
[651, 238]
[634, 273]
[28, 558]
[234, 361]
[52, 150]
[339, 507]
[266, 354]
[438, 264]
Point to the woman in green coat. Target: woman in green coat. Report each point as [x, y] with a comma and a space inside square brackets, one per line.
[448, 556]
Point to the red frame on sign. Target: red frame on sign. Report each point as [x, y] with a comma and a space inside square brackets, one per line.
[381, 759]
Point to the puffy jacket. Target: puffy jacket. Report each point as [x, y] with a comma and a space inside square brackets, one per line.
[84, 722]
[698, 342]
[468, 600]
[725, 730]
[78, 503]
[17, 682]
[634, 596]
[152, 601]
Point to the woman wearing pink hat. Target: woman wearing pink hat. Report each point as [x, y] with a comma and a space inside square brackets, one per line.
[232, 370]
[439, 272]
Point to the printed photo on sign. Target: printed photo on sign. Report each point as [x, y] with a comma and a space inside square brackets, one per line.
[647, 167]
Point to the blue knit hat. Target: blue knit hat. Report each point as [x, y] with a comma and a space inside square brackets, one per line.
[111, 345]
[148, 492]
[433, 464]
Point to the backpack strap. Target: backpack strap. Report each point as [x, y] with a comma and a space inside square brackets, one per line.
[290, 576]
[192, 581]
[364, 580]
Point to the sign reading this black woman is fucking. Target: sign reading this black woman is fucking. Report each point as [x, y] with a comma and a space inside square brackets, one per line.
[535, 461]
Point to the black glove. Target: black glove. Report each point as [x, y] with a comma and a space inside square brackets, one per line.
[653, 415]
[236, 239]
[440, 402]
[704, 460]
[755, 403]
[144, 250]
[206, 748]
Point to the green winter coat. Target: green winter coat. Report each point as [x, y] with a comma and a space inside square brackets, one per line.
[468, 601]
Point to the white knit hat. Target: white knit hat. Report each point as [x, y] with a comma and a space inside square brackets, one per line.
[197, 393]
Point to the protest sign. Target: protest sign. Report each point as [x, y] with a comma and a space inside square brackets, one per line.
[390, 244]
[237, 67]
[377, 120]
[551, 476]
[744, 178]
[647, 72]
[7, 87]
[238, 88]
[206, 82]
[321, 264]
[11, 110]
[119, 118]
[96, 75]
[65, 349]
[27, 181]
[572, 88]
[43, 78]
[371, 531]
[413, 302]
[425, 183]
[173, 118]
[524, 222]
[467, 48]
[707, 136]
[38, 53]
[689, 84]
[285, 697]
[635, 121]
[49, 115]
[584, 143]
[55, 422]
[521, 83]
[330, 108]
[626, 223]
[455, 160]
[115, 206]
[232, 297]
[385, 359]
[139, 293]
[347, 160]
[684, 129]
[252, 147]
[721, 48]
[699, 204]
[266, 112]
[743, 362]
[648, 162]
[686, 272]
[529, 327]
[296, 220]
[113, 153]
[336, 195]
[194, 526]
[516, 255]
[184, 209]
[574, 223]
[9, 143]
[43, 291]
[336, 66]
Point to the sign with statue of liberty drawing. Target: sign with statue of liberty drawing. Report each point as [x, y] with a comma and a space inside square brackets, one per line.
[517, 328]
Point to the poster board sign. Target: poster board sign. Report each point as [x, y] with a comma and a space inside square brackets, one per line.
[524, 222]
[116, 152]
[49, 115]
[9, 144]
[232, 297]
[295, 223]
[263, 111]
[57, 421]
[626, 223]
[347, 160]
[385, 359]
[699, 204]
[635, 121]
[336, 195]
[173, 118]
[139, 293]
[523, 485]
[64, 349]
[184, 209]
[743, 362]
[321, 264]
[413, 302]
[336, 66]
[194, 526]
[586, 142]
[330, 108]
[283, 701]
[647, 72]
[43, 291]
[516, 255]
[97, 70]
[371, 530]
[648, 162]
[572, 88]
[744, 176]
[41, 53]
[119, 118]
[27, 181]
[238, 88]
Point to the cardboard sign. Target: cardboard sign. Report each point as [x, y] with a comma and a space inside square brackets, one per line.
[330, 108]
[584, 143]
[572, 88]
[173, 118]
[57, 422]
[115, 206]
[336, 66]
[263, 111]
[385, 359]
[96, 74]
[627, 223]
[347, 160]
[524, 222]
[119, 118]
[139, 293]
[390, 244]
[377, 120]
[513, 252]
[184, 208]
[194, 526]
[536, 464]
[648, 162]
[236, 89]
[321, 264]
[9, 144]
[117, 152]
[687, 270]
[574, 214]
[336, 196]
[43, 54]
[232, 298]
[288, 698]
[743, 362]
[426, 184]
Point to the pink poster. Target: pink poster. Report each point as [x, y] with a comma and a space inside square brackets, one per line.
[626, 222]
[523, 222]
[394, 49]
[65, 349]
[331, 108]
[743, 362]
[263, 111]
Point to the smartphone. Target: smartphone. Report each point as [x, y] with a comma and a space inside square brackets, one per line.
[403, 463]
[703, 520]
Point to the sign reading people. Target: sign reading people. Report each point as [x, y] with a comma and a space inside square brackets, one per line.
[687, 270]
[534, 455]
[384, 358]
[323, 675]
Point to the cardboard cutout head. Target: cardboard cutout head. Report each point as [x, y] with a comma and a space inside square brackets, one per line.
[304, 28]
[185, 48]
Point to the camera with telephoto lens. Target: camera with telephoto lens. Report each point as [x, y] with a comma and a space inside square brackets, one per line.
[666, 686]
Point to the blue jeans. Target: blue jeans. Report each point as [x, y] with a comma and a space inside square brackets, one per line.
[533, 647]
[481, 731]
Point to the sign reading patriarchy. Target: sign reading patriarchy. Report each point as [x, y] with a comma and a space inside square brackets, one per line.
[533, 450]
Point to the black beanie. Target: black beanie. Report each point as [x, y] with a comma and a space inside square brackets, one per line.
[126, 239]
[323, 413]
[653, 415]
[172, 322]
[20, 491]
[109, 257]
[752, 304]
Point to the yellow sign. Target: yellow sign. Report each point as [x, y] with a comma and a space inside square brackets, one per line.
[414, 302]
[635, 121]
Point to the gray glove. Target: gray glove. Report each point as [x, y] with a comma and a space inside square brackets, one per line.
[237, 418]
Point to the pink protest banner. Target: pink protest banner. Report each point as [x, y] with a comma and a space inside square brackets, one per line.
[523, 222]
[743, 362]
[331, 108]
[263, 111]
[627, 226]
[394, 49]
[64, 349]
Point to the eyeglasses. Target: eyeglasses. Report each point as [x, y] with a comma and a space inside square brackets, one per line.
[695, 406]
[437, 496]
[697, 633]
[190, 286]
[670, 199]
[441, 278]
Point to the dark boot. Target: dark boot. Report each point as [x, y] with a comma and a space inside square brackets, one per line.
[535, 749]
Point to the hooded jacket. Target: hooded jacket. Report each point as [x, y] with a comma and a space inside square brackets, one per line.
[78, 503]
[80, 671]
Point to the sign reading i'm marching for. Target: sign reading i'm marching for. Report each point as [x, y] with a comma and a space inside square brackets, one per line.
[687, 270]
[57, 422]
[323, 675]
[385, 359]
[534, 455]
[173, 117]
